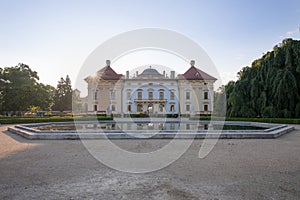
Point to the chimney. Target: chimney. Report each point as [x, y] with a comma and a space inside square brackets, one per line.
[192, 63]
[127, 74]
[164, 73]
[172, 74]
[107, 63]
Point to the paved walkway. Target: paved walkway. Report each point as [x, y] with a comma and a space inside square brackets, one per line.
[235, 169]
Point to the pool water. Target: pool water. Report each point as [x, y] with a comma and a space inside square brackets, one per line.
[146, 126]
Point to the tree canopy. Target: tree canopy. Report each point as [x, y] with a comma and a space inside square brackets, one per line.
[63, 95]
[270, 87]
[20, 91]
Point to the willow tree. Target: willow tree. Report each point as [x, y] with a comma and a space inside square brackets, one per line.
[270, 87]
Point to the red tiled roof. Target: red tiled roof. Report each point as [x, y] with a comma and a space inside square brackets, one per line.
[107, 73]
[194, 73]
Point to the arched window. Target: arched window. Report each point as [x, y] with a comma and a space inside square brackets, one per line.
[161, 95]
[113, 108]
[187, 108]
[139, 108]
[161, 107]
[95, 95]
[187, 95]
[150, 108]
[205, 107]
[140, 94]
[205, 94]
[150, 95]
[129, 108]
[172, 95]
[172, 108]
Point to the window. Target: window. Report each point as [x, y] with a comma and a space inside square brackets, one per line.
[95, 107]
[161, 95]
[139, 108]
[161, 107]
[206, 95]
[150, 95]
[172, 95]
[96, 95]
[129, 108]
[128, 95]
[187, 108]
[140, 94]
[113, 95]
[205, 126]
[205, 107]
[187, 95]
[172, 108]
[113, 108]
[150, 108]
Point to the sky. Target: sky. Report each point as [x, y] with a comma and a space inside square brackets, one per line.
[55, 37]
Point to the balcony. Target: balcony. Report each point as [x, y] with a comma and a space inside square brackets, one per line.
[150, 100]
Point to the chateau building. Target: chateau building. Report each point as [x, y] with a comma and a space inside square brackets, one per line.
[150, 92]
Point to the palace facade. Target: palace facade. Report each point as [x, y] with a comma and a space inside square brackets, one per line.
[150, 92]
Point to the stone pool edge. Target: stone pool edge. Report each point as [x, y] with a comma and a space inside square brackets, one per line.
[275, 131]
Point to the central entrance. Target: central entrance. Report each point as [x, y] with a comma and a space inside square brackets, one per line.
[150, 108]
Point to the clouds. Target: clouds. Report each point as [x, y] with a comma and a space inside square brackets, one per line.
[291, 34]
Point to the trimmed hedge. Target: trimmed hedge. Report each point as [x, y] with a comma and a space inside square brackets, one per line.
[266, 120]
[25, 120]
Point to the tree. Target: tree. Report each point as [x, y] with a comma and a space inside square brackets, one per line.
[20, 90]
[44, 98]
[220, 102]
[270, 87]
[63, 95]
[77, 106]
[17, 88]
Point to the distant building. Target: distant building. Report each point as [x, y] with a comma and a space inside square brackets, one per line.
[150, 92]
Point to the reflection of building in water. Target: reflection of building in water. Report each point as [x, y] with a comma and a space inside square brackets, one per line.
[150, 92]
[141, 126]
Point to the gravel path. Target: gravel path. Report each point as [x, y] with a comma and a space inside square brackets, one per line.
[235, 169]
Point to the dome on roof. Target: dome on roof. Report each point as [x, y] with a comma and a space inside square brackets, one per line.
[150, 71]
